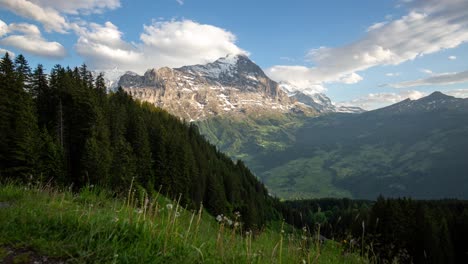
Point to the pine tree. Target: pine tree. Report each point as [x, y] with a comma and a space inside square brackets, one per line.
[45, 99]
[23, 72]
[101, 90]
[20, 143]
[7, 98]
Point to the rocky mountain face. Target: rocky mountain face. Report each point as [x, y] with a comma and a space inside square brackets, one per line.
[229, 86]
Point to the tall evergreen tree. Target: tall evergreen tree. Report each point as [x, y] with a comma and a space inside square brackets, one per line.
[23, 71]
[7, 98]
[19, 122]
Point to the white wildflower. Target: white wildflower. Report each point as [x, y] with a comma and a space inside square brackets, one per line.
[169, 206]
[219, 218]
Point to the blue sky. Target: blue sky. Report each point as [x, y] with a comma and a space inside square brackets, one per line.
[365, 53]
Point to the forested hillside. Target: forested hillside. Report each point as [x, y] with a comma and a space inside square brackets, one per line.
[62, 127]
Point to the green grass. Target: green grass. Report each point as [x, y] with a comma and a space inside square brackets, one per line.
[93, 226]
[302, 179]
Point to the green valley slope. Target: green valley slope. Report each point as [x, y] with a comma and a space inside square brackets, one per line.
[413, 148]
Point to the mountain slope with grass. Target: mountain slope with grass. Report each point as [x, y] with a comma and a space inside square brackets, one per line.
[93, 226]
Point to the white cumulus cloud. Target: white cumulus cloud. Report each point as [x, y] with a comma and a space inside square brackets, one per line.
[103, 47]
[35, 45]
[49, 17]
[27, 37]
[24, 28]
[52, 14]
[452, 57]
[350, 78]
[168, 43]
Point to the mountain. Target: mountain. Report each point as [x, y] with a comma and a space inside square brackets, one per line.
[414, 148]
[318, 101]
[232, 85]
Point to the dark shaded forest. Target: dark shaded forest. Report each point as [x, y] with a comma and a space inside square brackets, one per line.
[406, 230]
[63, 127]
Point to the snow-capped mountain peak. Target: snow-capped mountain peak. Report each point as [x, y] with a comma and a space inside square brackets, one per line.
[227, 69]
[231, 85]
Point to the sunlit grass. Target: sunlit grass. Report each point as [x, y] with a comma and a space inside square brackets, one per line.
[93, 226]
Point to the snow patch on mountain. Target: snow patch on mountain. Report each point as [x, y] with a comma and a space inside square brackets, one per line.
[214, 70]
[112, 77]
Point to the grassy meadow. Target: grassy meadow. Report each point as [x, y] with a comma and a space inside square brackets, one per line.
[96, 226]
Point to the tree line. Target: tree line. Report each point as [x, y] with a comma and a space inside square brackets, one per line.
[65, 127]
